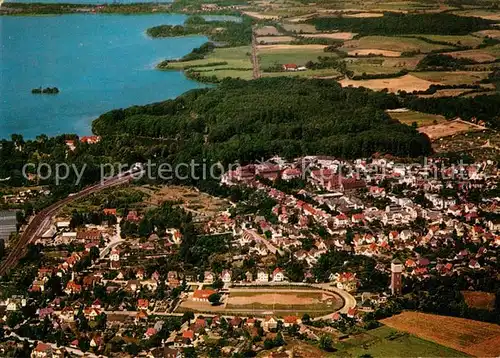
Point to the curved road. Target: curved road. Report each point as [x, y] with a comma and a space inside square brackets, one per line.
[42, 220]
[349, 300]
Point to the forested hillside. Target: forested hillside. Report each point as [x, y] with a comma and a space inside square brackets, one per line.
[484, 108]
[247, 120]
[399, 24]
[227, 33]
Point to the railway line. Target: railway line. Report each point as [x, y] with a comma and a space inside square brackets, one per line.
[42, 220]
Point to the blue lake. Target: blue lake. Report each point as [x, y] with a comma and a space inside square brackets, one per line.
[99, 62]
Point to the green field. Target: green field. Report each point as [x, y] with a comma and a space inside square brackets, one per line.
[326, 72]
[222, 62]
[300, 28]
[388, 342]
[422, 119]
[392, 43]
[298, 56]
[452, 78]
[467, 40]
[484, 13]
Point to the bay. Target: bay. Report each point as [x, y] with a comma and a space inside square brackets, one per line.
[98, 62]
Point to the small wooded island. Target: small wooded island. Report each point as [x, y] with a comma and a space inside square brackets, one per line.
[47, 90]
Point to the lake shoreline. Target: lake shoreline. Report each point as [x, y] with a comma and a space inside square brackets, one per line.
[128, 75]
[48, 9]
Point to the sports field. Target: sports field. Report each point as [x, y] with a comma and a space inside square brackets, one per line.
[264, 301]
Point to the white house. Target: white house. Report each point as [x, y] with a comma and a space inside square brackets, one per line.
[262, 276]
[278, 275]
[226, 276]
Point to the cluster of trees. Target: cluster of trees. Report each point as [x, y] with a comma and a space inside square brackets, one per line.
[95, 217]
[199, 53]
[365, 76]
[328, 62]
[399, 24]
[47, 90]
[341, 261]
[157, 221]
[242, 120]
[438, 61]
[230, 33]
[434, 88]
[484, 107]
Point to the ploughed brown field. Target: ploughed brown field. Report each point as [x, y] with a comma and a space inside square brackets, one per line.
[478, 299]
[476, 338]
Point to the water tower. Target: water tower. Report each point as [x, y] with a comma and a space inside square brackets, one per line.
[396, 272]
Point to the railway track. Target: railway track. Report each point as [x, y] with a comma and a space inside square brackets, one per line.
[42, 221]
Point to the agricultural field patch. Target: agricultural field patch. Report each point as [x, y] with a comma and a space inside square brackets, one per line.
[482, 13]
[267, 31]
[452, 77]
[388, 342]
[325, 73]
[365, 14]
[468, 336]
[374, 52]
[448, 128]
[299, 28]
[475, 55]
[480, 300]
[421, 119]
[408, 83]
[332, 35]
[298, 48]
[274, 39]
[466, 40]
[489, 33]
[260, 15]
[390, 43]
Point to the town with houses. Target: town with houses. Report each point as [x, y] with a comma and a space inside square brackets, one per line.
[316, 251]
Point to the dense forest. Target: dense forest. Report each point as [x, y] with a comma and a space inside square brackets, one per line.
[245, 120]
[485, 107]
[227, 33]
[400, 24]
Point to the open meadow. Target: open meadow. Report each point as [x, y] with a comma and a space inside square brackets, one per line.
[222, 63]
[392, 43]
[299, 54]
[452, 77]
[421, 119]
[387, 342]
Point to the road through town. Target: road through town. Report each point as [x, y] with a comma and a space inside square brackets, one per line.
[42, 221]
